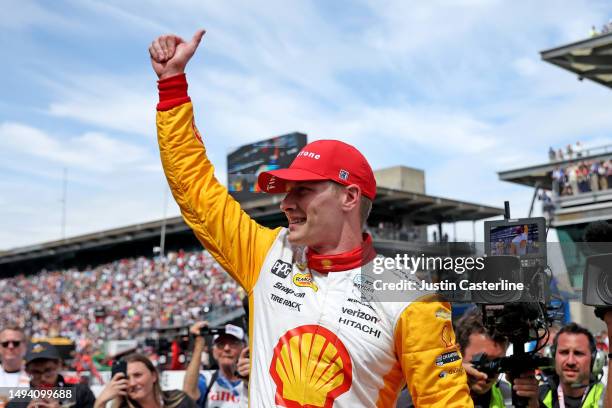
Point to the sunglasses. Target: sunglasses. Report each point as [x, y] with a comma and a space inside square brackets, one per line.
[15, 343]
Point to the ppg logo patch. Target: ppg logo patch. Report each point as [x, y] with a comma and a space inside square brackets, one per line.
[344, 175]
[281, 269]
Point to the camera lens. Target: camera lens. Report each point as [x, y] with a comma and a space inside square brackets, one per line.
[604, 287]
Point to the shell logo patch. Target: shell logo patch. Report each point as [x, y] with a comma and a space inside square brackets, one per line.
[448, 336]
[304, 280]
[311, 368]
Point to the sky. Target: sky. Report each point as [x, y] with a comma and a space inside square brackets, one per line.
[455, 88]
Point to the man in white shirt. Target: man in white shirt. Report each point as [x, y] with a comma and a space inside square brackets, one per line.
[12, 350]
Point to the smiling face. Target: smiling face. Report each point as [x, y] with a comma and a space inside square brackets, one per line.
[573, 358]
[141, 381]
[315, 214]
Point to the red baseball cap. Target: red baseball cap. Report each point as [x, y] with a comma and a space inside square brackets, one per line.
[323, 160]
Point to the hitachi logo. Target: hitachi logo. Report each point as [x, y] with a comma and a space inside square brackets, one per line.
[311, 155]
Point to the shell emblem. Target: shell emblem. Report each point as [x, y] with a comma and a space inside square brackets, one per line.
[448, 336]
[304, 280]
[311, 368]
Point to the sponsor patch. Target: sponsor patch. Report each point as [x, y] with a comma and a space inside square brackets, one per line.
[310, 358]
[344, 175]
[447, 336]
[363, 287]
[443, 314]
[457, 370]
[447, 358]
[281, 268]
[304, 280]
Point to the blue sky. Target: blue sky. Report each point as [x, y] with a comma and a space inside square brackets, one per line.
[455, 88]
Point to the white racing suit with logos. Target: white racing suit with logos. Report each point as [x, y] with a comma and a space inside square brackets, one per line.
[315, 341]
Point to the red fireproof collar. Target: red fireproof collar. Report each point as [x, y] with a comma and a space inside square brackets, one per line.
[344, 261]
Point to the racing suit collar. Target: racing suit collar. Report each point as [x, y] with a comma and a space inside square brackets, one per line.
[345, 261]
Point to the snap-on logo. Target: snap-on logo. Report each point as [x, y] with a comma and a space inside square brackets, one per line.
[311, 155]
[281, 269]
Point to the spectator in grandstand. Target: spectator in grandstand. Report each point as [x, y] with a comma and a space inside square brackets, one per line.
[593, 31]
[474, 338]
[560, 154]
[134, 294]
[552, 156]
[43, 364]
[141, 388]
[570, 152]
[578, 149]
[289, 272]
[573, 384]
[83, 361]
[12, 349]
[223, 388]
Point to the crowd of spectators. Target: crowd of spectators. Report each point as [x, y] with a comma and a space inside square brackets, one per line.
[582, 177]
[117, 300]
[605, 29]
[570, 152]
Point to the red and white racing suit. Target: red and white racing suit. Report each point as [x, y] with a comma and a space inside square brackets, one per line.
[315, 341]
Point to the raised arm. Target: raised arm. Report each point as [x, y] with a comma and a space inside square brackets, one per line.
[238, 243]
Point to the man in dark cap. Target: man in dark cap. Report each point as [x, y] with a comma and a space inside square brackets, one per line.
[43, 363]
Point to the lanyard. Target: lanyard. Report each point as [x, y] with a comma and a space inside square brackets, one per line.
[561, 399]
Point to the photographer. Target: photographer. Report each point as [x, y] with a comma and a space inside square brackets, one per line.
[573, 385]
[474, 338]
[223, 389]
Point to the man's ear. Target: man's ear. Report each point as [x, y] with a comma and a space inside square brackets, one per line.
[351, 198]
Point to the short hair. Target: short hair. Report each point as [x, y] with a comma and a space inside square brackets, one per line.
[575, 328]
[365, 204]
[471, 323]
[14, 327]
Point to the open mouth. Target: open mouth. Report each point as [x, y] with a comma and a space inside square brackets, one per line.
[297, 221]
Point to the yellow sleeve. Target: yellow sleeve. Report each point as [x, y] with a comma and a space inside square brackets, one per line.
[424, 334]
[238, 243]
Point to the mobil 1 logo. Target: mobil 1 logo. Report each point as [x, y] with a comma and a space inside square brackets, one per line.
[281, 269]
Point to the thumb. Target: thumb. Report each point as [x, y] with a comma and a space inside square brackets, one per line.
[244, 352]
[197, 37]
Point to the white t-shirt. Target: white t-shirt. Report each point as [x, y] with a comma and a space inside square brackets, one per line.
[17, 379]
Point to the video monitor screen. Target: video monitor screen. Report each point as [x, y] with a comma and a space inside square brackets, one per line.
[246, 163]
[518, 240]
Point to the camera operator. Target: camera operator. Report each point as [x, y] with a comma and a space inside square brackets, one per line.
[573, 384]
[224, 388]
[474, 338]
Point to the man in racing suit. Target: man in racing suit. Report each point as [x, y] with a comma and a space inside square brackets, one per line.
[314, 340]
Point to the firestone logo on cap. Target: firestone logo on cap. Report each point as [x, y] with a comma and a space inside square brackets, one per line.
[308, 154]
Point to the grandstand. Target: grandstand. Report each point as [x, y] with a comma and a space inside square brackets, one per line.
[589, 196]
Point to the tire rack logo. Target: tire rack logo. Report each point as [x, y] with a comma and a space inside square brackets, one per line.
[281, 269]
[311, 367]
